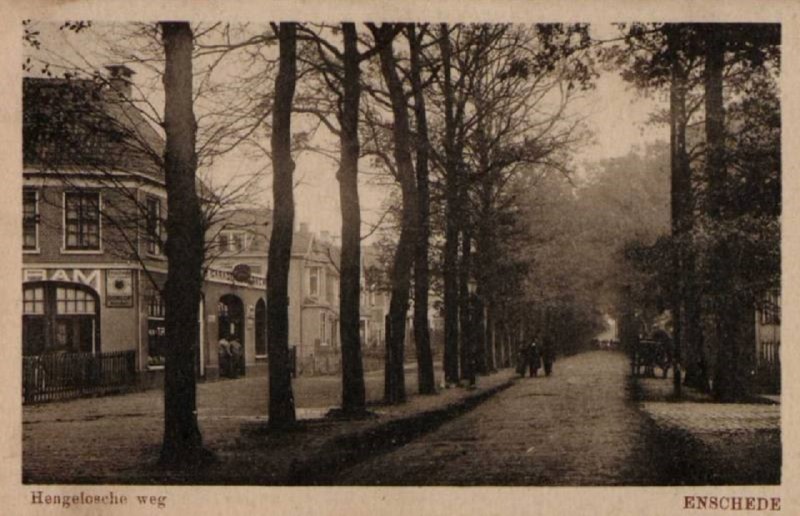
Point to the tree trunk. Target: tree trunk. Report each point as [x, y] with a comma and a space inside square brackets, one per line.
[479, 327]
[697, 374]
[422, 335]
[353, 391]
[404, 255]
[281, 398]
[680, 189]
[492, 357]
[184, 249]
[452, 215]
[687, 333]
[730, 382]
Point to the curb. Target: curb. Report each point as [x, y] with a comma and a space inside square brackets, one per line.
[350, 449]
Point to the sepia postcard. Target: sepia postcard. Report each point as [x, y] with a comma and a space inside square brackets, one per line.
[365, 257]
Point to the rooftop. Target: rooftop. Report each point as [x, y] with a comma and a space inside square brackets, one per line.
[84, 125]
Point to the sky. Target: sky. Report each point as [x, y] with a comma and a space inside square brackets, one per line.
[614, 113]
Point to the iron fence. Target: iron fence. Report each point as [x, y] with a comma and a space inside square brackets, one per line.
[60, 376]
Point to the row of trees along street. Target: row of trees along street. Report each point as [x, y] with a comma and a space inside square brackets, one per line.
[470, 128]
[723, 250]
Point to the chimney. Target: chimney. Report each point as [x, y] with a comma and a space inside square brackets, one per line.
[303, 228]
[120, 77]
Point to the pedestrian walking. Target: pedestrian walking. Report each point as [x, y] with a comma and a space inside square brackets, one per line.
[522, 359]
[548, 355]
[236, 359]
[224, 355]
[534, 358]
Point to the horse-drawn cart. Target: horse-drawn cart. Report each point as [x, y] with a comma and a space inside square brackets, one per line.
[647, 354]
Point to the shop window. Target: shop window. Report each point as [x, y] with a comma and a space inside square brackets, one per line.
[82, 220]
[156, 331]
[59, 317]
[30, 220]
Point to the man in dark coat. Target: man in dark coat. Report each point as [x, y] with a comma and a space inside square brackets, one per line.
[522, 359]
[224, 358]
[548, 355]
[237, 368]
[534, 359]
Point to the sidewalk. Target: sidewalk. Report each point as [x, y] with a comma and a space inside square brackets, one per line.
[704, 442]
[116, 440]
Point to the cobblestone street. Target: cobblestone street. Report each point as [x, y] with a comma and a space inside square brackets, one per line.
[576, 427]
[588, 424]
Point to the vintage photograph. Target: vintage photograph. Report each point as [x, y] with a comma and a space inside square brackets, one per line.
[400, 254]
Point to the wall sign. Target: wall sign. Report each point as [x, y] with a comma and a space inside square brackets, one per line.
[88, 277]
[119, 288]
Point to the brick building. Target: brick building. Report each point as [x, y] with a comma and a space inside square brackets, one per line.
[94, 206]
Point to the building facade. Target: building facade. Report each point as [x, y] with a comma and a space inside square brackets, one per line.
[94, 206]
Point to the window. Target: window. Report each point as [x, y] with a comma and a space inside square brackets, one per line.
[153, 225]
[33, 301]
[323, 327]
[314, 281]
[82, 220]
[71, 301]
[771, 309]
[236, 244]
[30, 220]
[329, 289]
[233, 241]
[155, 306]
